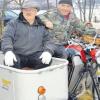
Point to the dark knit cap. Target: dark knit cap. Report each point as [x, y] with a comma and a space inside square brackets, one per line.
[66, 2]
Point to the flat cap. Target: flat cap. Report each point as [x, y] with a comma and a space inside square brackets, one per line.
[30, 3]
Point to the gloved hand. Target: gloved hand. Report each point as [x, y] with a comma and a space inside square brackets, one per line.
[10, 58]
[46, 57]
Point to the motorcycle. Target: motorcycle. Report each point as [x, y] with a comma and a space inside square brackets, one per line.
[90, 57]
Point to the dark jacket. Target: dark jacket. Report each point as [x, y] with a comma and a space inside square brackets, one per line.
[22, 38]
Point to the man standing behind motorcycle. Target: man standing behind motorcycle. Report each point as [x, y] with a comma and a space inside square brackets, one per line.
[64, 24]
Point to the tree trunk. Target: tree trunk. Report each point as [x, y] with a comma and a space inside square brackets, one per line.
[48, 4]
[91, 8]
[84, 10]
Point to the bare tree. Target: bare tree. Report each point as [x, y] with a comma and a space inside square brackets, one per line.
[78, 3]
[19, 2]
[5, 4]
[48, 4]
[3, 9]
[91, 8]
[84, 10]
[83, 5]
[56, 2]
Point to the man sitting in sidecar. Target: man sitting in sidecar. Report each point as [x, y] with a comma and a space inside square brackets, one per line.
[26, 41]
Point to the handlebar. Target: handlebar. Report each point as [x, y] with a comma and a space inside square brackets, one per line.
[84, 45]
[89, 49]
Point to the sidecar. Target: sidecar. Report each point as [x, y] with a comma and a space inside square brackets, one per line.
[49, 83]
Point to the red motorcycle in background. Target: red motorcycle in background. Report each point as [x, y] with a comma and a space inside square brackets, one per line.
[90, 56]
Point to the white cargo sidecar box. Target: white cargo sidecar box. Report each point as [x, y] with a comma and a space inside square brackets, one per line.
[16, 84]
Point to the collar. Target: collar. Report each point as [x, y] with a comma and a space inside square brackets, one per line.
[37, 21]
[67, 16]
